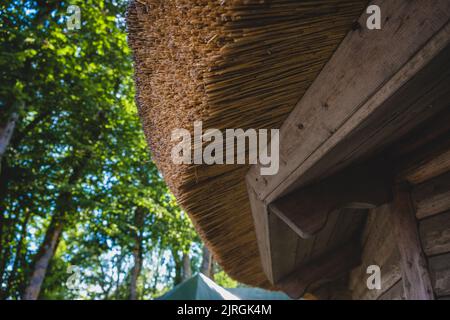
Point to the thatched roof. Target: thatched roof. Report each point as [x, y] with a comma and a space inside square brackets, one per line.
[232, 64]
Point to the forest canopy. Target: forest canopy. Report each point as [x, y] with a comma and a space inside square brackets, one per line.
[84, 212]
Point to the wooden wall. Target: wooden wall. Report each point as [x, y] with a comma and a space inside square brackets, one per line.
[431, 200]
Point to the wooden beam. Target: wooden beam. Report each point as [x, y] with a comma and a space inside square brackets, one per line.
[425, 153]
[435, 131]
[432, 197]
[261, 223]
[423, 160]
[423, 96]
[307, 210]
[415, 275]
[283, 246]
[328, 267]
[435, 234]
[357, 83]
[429, 169]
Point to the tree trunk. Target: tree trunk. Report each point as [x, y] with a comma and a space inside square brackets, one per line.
[48, 247]
[156, 273]
[187, 272]
[43, 257]
[178, 268]
[7, 235]
[7, 129]
[18, 256]
[207, 262]
[139, 216]
[6, 132]
[63, 208]
[3, 178]
[119, 271]
[4, 252]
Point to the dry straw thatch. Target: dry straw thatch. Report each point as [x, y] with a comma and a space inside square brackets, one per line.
[232, 64]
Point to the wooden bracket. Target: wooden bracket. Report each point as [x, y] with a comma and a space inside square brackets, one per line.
[306, 210]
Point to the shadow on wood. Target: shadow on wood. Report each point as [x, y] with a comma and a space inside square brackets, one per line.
[307, 210]
[326, 268]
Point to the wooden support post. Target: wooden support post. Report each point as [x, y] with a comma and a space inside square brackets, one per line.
[415, 275]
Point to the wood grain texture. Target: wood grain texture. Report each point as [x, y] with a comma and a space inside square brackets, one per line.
[434, 167]
[379, 248]
[432, 197]
[331, 109]
[307, 210]
[326, 268]
[283, 242]
[261, 223]
[435, 234]
[396, 292]
[440, 274]
[415, 274]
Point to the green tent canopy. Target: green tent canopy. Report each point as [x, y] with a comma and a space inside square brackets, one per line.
[200, 287]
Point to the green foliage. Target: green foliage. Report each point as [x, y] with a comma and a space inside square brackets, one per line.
[78, 133]
[223, 280]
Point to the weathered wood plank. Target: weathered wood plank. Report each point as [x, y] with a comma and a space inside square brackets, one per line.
[327, 268]
[349, 225]
[415, 275]
[433, 205]
[425, 153]
[341, 226]
[306, 223]
[322, 242]
[440, 274]
[430, 169]
[396, 292]
[432, 197]
[396, 117]
[371, 222]
[390, 271]
[334, 290]
[330, 110]
[390, 274]
[304, 249]
[283, 242]
[261, 222]
[435, 234]
[431, 138]
[379, 249]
